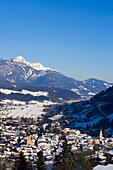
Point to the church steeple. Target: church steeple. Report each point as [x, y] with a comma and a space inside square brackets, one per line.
[101, 135]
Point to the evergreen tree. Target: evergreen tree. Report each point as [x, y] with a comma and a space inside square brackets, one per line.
[40, 162]
[92, 161]
[88, 165]
[96, 161]
[3, 165]
[80, 159]
[35, 142]
[19, 140]
[82, 162]
[65, 160]
[21, 163]
[109, 159]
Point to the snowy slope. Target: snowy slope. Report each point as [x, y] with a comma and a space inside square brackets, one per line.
[15, 109]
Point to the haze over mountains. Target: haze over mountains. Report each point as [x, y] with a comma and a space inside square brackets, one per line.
[19, 71]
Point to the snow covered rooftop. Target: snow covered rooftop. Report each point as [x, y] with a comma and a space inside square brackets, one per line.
[102, 167]
[56, 117]
[111, 152]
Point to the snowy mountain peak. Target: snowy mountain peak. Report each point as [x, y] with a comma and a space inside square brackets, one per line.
[19, 59]
[36, 66]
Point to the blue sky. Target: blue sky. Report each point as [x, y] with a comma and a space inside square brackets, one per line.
[73, 36]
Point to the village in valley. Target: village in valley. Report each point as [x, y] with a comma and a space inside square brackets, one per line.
[56, 85]
[29, 136]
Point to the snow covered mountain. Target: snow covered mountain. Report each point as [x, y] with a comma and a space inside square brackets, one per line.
[18, 70]
[36, 66]
[96, 113]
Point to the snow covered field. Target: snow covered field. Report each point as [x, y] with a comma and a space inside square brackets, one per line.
[38, 93]
[15, 109]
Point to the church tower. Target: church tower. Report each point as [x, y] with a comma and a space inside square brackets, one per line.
[101, 136]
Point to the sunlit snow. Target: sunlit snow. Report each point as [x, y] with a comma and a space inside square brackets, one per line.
[33, 109]
[38, 93]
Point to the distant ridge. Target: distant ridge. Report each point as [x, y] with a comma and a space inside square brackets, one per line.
[18, 70]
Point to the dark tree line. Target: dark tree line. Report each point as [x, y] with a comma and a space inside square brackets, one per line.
[65, 160]
[21, 163]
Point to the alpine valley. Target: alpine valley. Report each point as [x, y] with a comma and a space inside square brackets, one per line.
[32, 90]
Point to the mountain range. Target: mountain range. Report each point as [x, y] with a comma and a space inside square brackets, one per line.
[95, 113]
[24, 81]
[19, 72]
